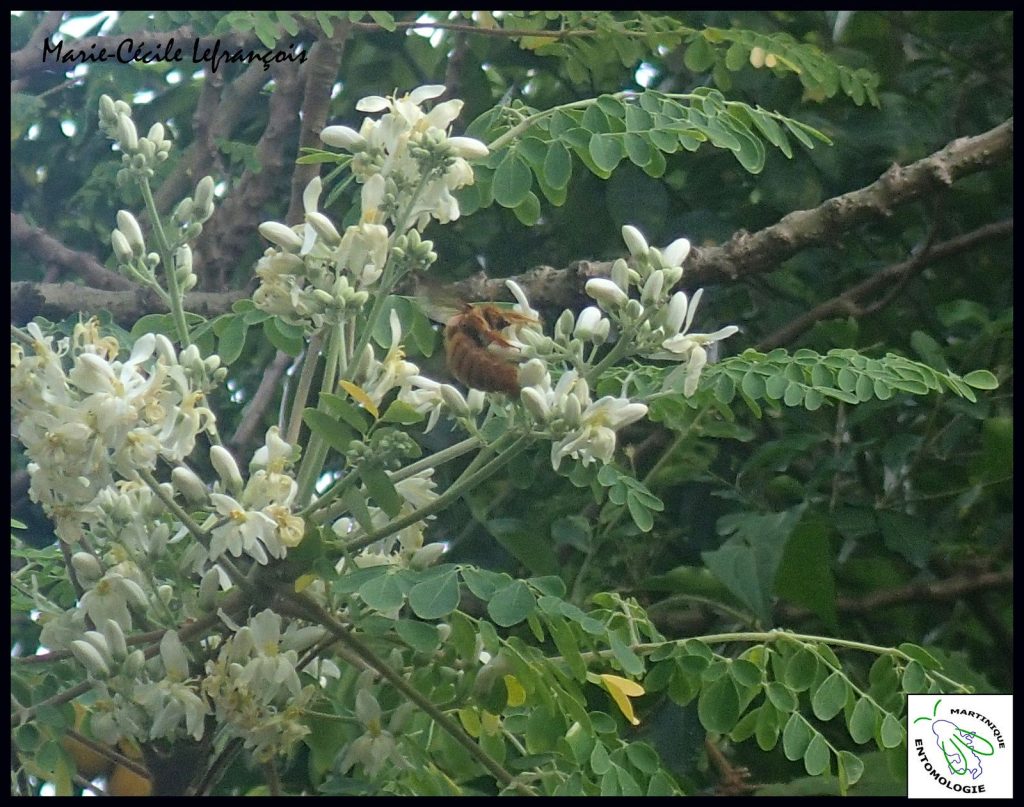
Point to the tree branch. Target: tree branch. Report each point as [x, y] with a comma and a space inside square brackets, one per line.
[851, 301]
[50, 251]
[746, 253]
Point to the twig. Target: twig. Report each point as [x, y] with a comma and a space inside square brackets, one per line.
[849, 303]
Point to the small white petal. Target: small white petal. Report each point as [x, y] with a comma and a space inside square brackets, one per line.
[426, 92]
[372, 103]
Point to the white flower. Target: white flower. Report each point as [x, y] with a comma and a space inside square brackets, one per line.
[594, 439]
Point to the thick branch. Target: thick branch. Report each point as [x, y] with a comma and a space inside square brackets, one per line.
[852, 301]
[55, 301]
[747, 253]
[321, 73]
[50, 251]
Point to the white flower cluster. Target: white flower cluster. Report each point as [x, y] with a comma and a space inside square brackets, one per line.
[405, 548]
[255, 687]
[654, 325]
[660, 323]
[408, 149]
[581, 428]
[140, 154]
[253, 518]
[103, 417]
[408, 167]
[377, 746]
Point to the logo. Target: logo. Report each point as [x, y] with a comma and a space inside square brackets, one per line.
[960, 746]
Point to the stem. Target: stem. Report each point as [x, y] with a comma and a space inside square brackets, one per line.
[316, 452]
[302, 388]
[345, 636]
[469, 479]
[174, 290]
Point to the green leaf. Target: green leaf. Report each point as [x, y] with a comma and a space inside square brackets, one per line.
[557, 166]
[482, 582]
[383, 593]
[528, 211]
[628, 660]
[512, 180]
[401, 412]
[435, 597]
[921, 656]
[420, 636]
[718, 706]
[981, 379]
[796, 736]
[340, 408]
[851, 768]
[567, 646]
[862, 721]
[606, 150]
[282, 336]
[801, 670]
[336, 434]
[231, 338]
[817, 756]
[512, 604]
[781, 697]
[383, 19]
[638, 511]
[828, 700]
[381, 488]
[699, 55]
[638, 149]
[892, 732]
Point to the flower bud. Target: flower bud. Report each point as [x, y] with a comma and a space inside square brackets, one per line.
[86, 567]
[203, 198]
[208, 588]
[652, 288]
[226, 467]
[532, 373]
[165, 593]
[189, 485]
[183, 260]
[536, 403]
[343, 137]
[571, 410]
[453, 400]
[279, 234]
[115, 640]
[156, 133]
[127, 136]
[588, 320]
[675, 253]
[620, 274]
[563, 325]
[122, 249]
[129, 226]
[323, 227]
[635, 241]
[605, 291]
[426, 556]
[634, 309]
[468, 148]
[183, 212]
[676, 313]
[90, 658]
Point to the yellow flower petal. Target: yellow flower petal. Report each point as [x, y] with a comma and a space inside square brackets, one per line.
[622, 689]
[360, 395]
[516, 693]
